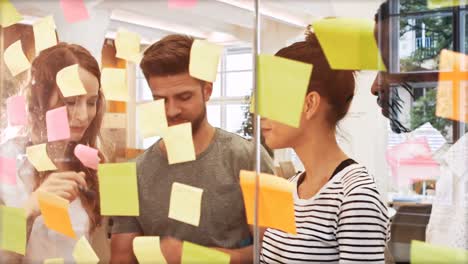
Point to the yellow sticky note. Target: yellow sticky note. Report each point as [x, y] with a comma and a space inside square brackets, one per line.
[127, 45]
[114, 84]
[434, 4]
[424, 253]
[276, 204]
[69, 81]
[349, 43]
[44, 33]
[54, 261]
[179, 143]
[204, 60]
[282, 87]
[193, 253]
[83, 253]
[185, 203]
[15, 59]
[8, 14]
[54, 209]
[13, 229]
[152, 119]
[147, 250]
[118, 189]
[38, 157]
[452, 87]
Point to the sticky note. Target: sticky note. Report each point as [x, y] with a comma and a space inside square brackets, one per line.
[44, 33]
[87, 155]
[15, 59]
[83, 253]
[16, 110]
[276, 205]
[38, 157]
[74, 10]
[8, 14]
[204, 60]
[57, 124]
[13, 229]
[179, 143]
[114, 84]
[147, 250]
[434, 4]
[54, 261]
[423, 253]
[7, 170]
[349, 43]
[54, 210]
[152, 119]
[185, 203]
[181, 3]
[282, 82]
[452, 87]
[118, 189]
[193, 253]
[69, 82]
[127, 45]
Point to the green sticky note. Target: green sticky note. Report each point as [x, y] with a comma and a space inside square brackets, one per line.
[282, 86]
[349, 43]
[8, 14]
[13, 229]
[204, 60]
[193, 253]
[423, 253]
[118, 189]
[147, 250]
[434, 4]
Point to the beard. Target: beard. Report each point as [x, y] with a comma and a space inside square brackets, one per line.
[198, 121]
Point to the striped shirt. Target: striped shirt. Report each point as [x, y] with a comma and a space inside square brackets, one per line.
[345, 222]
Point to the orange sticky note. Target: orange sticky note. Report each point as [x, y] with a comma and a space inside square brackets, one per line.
[276, 204]
[54, 209]
[452, 88]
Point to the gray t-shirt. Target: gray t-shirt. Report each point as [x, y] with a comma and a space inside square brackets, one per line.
[216, 171]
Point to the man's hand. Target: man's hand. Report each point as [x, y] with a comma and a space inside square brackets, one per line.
[171, 249]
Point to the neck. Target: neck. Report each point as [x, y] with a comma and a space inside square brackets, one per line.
[203, 137]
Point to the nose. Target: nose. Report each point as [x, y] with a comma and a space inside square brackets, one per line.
[78, 113]
[172, 109]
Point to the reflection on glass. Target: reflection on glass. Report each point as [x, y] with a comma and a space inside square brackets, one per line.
[217, 87]
[238, 62]
[234, 117]
[213, 113]
[238, 83]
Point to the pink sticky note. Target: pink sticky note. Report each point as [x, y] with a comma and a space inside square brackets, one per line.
[57, 124]
[7, 170]
[16, 111]
[181, 3]
[74, 10]
[87, 155]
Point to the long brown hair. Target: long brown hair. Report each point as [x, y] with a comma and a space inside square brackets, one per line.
[41, 87]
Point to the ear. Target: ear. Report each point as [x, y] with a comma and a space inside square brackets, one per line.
[207, 90]
[311, 104]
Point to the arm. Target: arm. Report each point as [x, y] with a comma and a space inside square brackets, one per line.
[245, 254]
[122, 248]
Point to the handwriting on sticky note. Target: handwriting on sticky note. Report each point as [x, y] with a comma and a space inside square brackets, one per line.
[54, 209]
[193, 253]
[7, 170]
[87, 155]
[114, 84]
[44, 33]
[54, 261]
[118, 189]
[83, 253]
[423, 253]
[39, 158]
[16, 110]
[127, 45]
[15, 59]
[185, 203]
[152, 119]
[349, 43]
[74, 10]
[276, 205]
[57, 124]
[275, 73]
[147, 249]
[13, 227]
[179, 143]
[204, 60]
[8, 14]
[69, 82]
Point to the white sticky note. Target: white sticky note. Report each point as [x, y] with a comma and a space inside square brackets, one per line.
[69, 82]
[38, 157]
[179, 143]
[185, 203]
[127, 45]
[83, 253]
[147, 249]
[44, 34]
[204, 60]
[152, 119]
[15, 59]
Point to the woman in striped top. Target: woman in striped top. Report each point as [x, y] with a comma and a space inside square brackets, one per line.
[340, 216]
